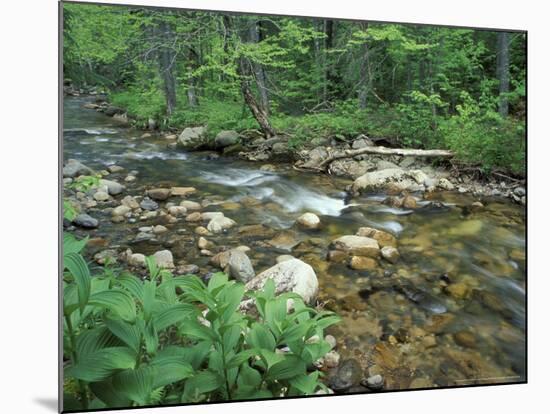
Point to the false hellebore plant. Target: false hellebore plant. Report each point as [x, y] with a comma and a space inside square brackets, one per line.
[171, 340]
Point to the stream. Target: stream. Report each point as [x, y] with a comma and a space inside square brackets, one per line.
[450, 312]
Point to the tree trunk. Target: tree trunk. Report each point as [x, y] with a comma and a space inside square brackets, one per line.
[503, 71]
[167, 59]
[364, 72]
[192, 81]
[244, 70]
[328, 28]
[259, 71]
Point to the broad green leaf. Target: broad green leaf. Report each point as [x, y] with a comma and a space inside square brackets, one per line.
[193, 355]
[135, 384]
[125, 331]
[290, 367]
[102, 363]
[306, 384]
[231, 337]
[170, 369]
[241, 357]
[193, 329]
[260, 337]
[105, 391]
[201, 383]
[174, 315]
[78, 268]
[118, 302]
[95, 339]
[72, 245]
[133, 285]
[217, 280]
[149, 291]
[151, 338]
[248, 377]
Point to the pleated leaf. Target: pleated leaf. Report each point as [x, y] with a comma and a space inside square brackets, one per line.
[116, 301]
[170, 369]
[101, 364]
[78, 268]
[173, 315]
[133, 285]
[129, 333]
[291, 366]
[135, 384]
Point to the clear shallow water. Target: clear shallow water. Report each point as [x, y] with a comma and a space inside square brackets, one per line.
[450, 312]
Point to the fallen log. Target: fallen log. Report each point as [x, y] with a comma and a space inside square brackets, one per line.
[384, 151]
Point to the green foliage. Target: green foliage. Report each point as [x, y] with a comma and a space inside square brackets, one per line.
[484, 138]
[85, 183]
[322, 78]
[69, 210]
[135, 343]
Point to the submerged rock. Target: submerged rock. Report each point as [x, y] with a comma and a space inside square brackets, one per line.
[357, 245]
[113, 188]
[219, 224]
[85, 221]
[289, 276]
[348, 375]
[159, 194]
[74, 168]
[383, 238]
[309, 221]
[148, 204]
[391, 254]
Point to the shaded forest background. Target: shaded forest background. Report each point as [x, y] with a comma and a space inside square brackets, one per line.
[418, 86]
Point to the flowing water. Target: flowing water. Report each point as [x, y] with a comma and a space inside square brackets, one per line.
[450, 312]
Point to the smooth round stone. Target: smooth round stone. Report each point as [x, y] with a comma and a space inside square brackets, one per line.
[375, 382]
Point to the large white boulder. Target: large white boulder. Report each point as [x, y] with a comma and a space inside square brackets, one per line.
[289, 276]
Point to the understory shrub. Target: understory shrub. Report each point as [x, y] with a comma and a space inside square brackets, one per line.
[174, 339]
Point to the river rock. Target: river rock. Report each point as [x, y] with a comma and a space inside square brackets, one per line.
[409, 202]
[190, 205]
[121, 210]
[396, 178]
[331, 359]
[361, 142]
[467, 228]
[209, 215]
[74, 168]
[520, 191]
[219, 224]
[192, 138]
[159, 229]
[109, 255]
[182, 191]
[284, 258]
[115, 168]
[375, 382]
[348, 168]
[113, 187]
[85, 221]
[148, 204]
[465, 339]
[164, 259]
[159, 194]
[391, 254]
[130, 202]
[177, 211]
[101, 196]
[445, 184]
[363, 263]
[383, 238]
[458, 290]
[196, 216]
[202, 243]
[384, 165]
[130, 178]
[289, 276]
[336, 256]
[284, 240]
[357, 245]
[348, 375]
[137, 260]
[226, 139]
[187, 269]
[239, 266]
[309, 221]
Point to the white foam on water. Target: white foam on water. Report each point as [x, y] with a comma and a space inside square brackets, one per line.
[150, 155]
[235, 177]
[390, 210]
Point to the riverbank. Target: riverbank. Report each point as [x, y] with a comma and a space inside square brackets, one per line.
[430, 285]
[402, 174]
